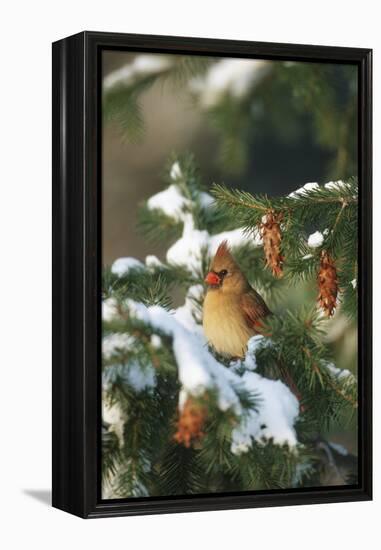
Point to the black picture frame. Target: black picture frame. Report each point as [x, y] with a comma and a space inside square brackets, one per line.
[77, 262]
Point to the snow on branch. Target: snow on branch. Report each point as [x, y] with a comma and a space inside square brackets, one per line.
[235, 77]
[172, 201]
[188, 251]
[200, 372]
[122, 266]
[141, 66]
[278, 409]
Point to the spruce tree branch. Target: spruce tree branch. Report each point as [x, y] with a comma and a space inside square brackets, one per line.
[287, 204]
[344, 205]
[335, 387]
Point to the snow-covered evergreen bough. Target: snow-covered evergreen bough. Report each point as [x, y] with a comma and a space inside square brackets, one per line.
[180, 419]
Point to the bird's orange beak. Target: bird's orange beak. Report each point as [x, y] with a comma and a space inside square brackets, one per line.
[212, 278]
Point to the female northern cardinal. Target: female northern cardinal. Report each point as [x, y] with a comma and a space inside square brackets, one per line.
[233, 310]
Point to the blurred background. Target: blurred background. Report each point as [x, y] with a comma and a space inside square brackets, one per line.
[263, 126]
[268, 127]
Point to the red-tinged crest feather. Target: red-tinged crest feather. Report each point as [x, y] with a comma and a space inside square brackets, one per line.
[223, 249]
[223, 258]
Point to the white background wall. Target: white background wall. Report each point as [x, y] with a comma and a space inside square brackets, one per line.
[27, 29]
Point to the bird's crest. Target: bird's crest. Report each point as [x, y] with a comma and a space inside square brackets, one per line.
[223, 249]
[223, 258]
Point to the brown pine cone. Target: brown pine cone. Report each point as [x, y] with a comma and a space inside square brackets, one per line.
[327, 282]
[190, 423]
[272, 237]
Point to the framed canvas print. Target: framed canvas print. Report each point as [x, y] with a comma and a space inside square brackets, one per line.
[212, 274]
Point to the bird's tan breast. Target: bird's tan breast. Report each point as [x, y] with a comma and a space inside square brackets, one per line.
[224, 324]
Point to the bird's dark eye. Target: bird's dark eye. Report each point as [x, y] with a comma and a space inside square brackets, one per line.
[223, 273]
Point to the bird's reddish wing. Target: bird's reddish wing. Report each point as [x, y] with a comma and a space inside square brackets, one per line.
[254, 308]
